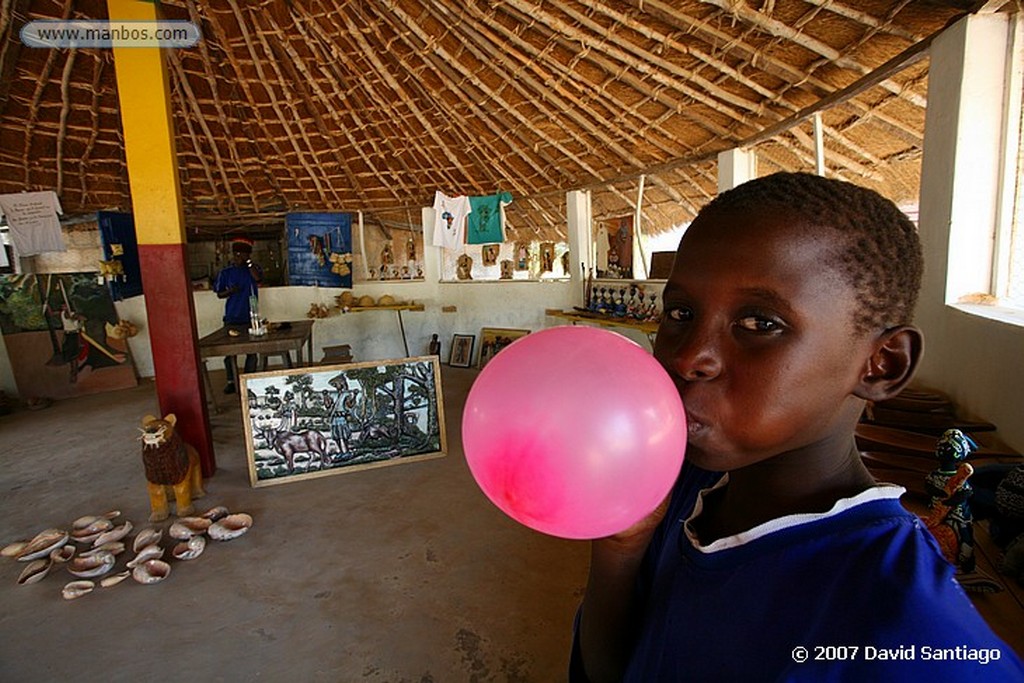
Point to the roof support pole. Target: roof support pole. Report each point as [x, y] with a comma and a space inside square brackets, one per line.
[142, 85]
[819, 145]
[735, 167]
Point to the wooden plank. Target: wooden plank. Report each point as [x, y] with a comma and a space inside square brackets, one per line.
[926, 423]
[872, 437]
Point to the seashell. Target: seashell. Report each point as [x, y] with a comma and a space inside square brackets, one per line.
[366, 300]
[91, 565]
[147, 536]
[90, 525]
[345, 299]
[113, 547]
[386, 300]
[86, 521]
[13, 549]
[150, 552]
[187, 527]
[151, 571]
[115, 534]
[35, 571]
[230, 527]
[213, 514]
[62, 554]
[114, 579]
[190, 549]
[77, 589]
[44, 542]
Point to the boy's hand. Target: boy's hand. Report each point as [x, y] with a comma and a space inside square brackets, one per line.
[635, 538]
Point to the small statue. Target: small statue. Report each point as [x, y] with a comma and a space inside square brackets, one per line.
[950, 519]
[169, 462]
[435, 346]
[464, 267]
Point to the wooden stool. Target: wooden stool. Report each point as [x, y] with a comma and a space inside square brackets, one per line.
[286, 358]
[342, 353]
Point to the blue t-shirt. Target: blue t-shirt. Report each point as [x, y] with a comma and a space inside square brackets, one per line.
[860, 593]
[236, 306]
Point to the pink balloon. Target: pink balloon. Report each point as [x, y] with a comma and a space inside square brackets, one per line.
[576, 432]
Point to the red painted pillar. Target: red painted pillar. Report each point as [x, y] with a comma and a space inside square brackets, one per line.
[144, 96]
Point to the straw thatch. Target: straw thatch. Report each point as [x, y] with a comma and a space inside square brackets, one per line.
[372, 105]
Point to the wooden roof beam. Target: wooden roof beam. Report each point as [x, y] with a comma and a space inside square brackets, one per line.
[323, 185]
[189, 103]
[218, 105]
[745, 13]
[439, 58]
[250, 100]
[12, 19]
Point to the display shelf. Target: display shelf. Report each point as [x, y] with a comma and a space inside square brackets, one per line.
[392, 307]
[647, 327]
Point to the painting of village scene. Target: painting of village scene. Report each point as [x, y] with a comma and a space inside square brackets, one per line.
[309, 422]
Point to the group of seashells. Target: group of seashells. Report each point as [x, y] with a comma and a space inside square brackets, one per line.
[103, 541]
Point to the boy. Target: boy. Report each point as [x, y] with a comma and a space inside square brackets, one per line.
[236, 283]
[789, 305]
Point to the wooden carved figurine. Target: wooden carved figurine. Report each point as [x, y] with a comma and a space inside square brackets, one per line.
[949, 518]
[169, 462]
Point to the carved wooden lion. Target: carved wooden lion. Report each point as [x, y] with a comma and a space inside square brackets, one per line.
[169, 462]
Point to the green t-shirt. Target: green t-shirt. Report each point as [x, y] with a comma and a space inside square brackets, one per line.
[486, 223]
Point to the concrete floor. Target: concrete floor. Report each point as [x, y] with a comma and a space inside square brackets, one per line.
[403, 573]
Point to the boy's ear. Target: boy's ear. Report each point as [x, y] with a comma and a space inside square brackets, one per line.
[891, 365]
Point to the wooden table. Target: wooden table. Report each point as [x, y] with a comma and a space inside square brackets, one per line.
[648, 328]
[275, 342]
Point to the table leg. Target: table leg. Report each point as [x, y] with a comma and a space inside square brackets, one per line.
[209, 388]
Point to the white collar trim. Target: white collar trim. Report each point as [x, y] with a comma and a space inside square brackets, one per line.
[879, 492]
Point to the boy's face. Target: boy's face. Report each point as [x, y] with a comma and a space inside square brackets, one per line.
[759, 338]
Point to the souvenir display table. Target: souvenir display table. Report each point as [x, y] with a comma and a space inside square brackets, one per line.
[648, 328]
[279, 339]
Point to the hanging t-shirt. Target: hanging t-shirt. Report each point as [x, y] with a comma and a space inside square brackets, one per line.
[32, 220]
[486, 225]
[450, 220]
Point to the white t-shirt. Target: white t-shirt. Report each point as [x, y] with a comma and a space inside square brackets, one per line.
[32, 220]
[450, 220]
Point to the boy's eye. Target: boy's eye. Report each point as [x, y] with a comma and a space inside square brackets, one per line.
[760, 324]
[681, 314]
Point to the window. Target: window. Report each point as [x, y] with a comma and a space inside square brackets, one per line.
[1008, 285]
[1008, 263]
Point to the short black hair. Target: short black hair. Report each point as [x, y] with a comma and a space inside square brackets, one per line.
[879, 251]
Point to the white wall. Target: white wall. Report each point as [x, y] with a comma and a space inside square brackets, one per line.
[977, 360]
[375, 335]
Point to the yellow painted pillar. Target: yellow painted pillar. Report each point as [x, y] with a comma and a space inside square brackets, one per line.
[144, 94]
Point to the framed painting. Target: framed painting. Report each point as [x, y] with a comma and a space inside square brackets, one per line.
[494, 339]
[310, 422]
[462, 351]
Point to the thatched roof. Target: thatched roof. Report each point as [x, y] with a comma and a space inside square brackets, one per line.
[372, 105]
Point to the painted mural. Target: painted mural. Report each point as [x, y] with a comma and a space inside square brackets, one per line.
[57, 330]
